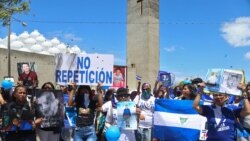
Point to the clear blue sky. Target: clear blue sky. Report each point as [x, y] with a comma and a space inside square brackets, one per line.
[195, 35]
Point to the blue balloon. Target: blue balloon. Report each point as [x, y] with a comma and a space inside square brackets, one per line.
[6, 84]
[113, 133]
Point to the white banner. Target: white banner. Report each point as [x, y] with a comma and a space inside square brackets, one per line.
[84, 69]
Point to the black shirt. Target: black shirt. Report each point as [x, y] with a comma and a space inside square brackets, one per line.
[23, 113]
[85, 119]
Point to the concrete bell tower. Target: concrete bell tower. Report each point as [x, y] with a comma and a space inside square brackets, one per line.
[142, 41]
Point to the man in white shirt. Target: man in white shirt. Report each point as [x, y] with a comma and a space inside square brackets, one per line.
[111, 109]
[145, 107]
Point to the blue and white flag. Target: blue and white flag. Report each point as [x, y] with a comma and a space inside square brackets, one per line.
[176, 120]
[138, 77]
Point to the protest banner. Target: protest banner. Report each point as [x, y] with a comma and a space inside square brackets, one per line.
[165, 78]
[27, 74]
[49, 106]
[32, 67]
[126, 115]
[119, 76]
[224, 81]
[84, 69]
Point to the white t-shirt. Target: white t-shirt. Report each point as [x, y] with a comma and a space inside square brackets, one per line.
[111, 118]
[246, 122]
[147, 109]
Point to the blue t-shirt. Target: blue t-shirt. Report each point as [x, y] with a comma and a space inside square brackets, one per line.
[220, 121]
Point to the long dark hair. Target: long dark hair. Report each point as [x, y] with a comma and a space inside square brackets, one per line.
[78, 98]
[192, 90]
[108, 95]
[50, 83]
[177, 91]
[81, 87]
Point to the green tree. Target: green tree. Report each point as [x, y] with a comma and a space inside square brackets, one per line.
[8, 8]
[11, 7]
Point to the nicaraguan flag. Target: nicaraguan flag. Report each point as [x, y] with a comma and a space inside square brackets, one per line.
[176, 120]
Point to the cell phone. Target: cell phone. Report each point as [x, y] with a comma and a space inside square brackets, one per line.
[69, 88]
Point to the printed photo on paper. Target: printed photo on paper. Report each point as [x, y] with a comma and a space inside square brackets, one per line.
[126, 115]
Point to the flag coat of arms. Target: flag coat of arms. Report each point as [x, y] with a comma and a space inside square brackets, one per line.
[176, 120]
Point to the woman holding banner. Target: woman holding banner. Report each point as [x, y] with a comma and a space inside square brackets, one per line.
[46, 101]
[110, 107]
[86, 106]
[221, 118]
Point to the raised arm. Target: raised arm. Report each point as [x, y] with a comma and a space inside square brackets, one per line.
[100, 94]
[156, 89]
[196, 104]
[71, 93]
[246, 109]
[138, 87]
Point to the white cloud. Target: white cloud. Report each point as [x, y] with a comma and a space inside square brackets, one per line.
[24, 35]
[36, 48]
[170, 49]
[35, 34]
[40, 38]
[237, 32]
[72, 37]
[55, 42]
[30, 41]
[247, 55]
[37, 43]
[17, 44]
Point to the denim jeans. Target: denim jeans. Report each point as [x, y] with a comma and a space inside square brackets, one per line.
[144, 134]
[86, 133]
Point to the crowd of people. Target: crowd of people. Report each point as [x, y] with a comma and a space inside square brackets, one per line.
[96, 111]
